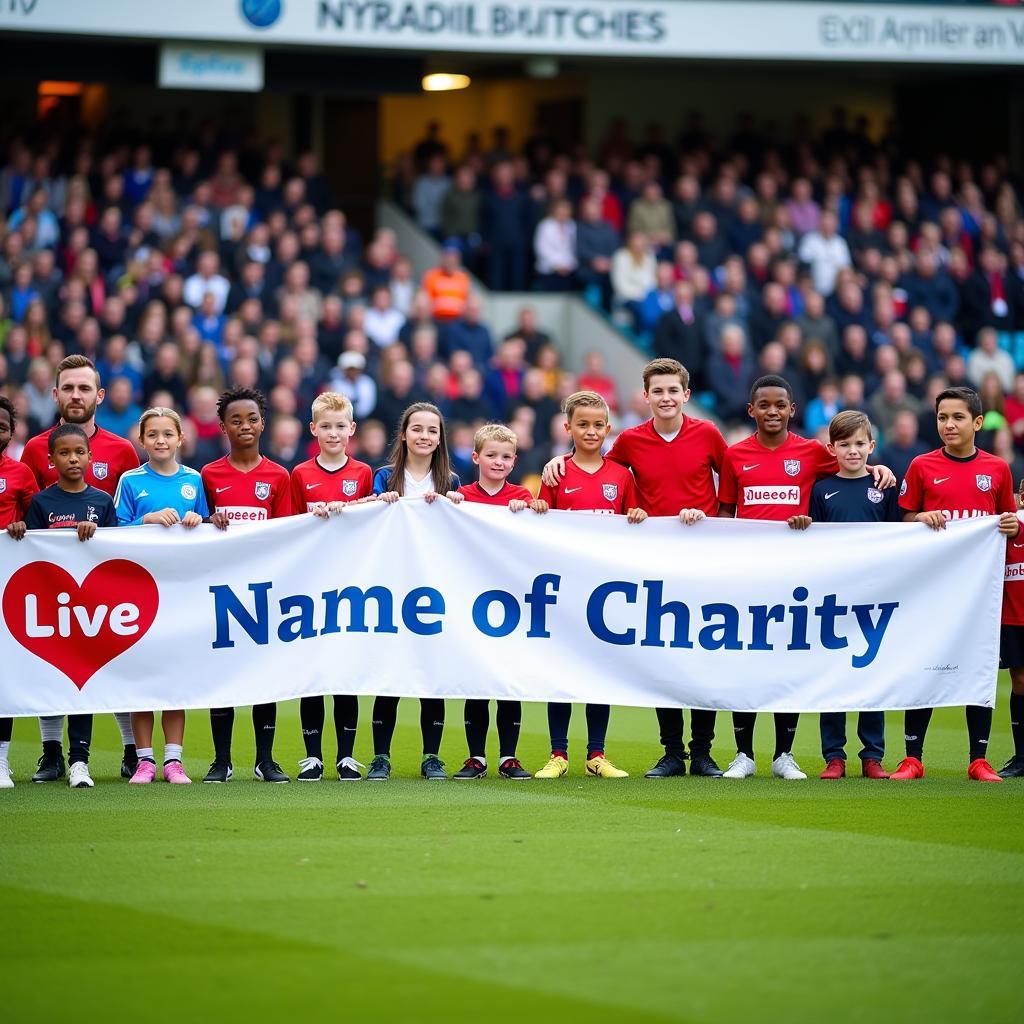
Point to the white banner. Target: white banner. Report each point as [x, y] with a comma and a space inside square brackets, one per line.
[756, 29]
[230, 68]
[469, 601]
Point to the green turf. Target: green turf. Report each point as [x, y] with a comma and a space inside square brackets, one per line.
[686, 900]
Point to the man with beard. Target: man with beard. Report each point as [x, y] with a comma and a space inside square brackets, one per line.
[77, 394]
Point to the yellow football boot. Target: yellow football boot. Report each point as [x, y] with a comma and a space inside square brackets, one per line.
[604, 769]
[554, 769]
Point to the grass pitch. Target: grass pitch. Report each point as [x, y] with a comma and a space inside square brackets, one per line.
[576, 900]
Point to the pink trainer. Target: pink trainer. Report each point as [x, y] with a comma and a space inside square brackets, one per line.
[144, 774]
[175, 774]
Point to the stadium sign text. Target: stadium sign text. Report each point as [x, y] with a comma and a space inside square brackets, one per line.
[438, 600]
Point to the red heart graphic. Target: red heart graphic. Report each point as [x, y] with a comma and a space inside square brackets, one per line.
[80, 628]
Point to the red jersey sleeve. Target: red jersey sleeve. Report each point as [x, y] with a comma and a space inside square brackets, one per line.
[211, 497]
[31, 456]
[620, 451]
[365, 488]
[911, 494]
[718, 448]
[295, 491]
[629, 499]
[825, 464]
[281, 506]
[548, 494]
[727, 488]
[1005, 500]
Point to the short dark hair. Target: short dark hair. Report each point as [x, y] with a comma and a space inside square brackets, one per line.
[968, 396]
[771, 380]
[76, 362]
[846, 423]
[65, 430]
[8, 406]
[241, 395]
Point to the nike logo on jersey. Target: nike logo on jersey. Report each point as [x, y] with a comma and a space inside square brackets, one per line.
[310, 487]
[219, 489]
[572, 490]
[748, 468]
[831, 494]
[940, 479]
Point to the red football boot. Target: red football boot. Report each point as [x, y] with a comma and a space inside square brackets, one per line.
[908, 768]
[873, 770]
[981, 771]
[835, 769]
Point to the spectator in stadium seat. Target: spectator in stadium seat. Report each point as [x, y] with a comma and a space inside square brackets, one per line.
[554, 247]
[825, 252]
[712, 248]
[769, 315]
[36, 209]
[804, 213]
[399, 392]
[331, 260]
[890, 399]
[983, 296]
[207, 279]
[730, 373]
[504, 223]
[308, 301]
[460, 210]
[901, 445]
[633, 272]
[471, 405]
[686, 204]
[746, 228]
[652, 215]
[252, 284]
[382, 323]
[528, 329]
[825, 404]
[596, 242]
[447, 285]
[503, 383]
[594, 377]
[165, 375]
[468, 333]
[678, 334]
[929, 285]
[352, 380]
[428, 192]
[659, 300]
[988, 358]
[118, 412]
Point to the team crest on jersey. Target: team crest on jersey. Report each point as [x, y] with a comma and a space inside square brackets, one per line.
[984, 482]
[875, 495]
[610, 491]
[100, 470]
[348, 487]
[188, 492]
[792, 467]
[3, 486]
[903, 488]
[262, 490]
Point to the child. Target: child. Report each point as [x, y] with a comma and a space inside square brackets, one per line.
[674, 459]
[419, 466]
[165, 494]
[494, 453]
[1011, 646]
[17, 488]
[70, 503]
[322, 486]
[956, 481]
[591, 484]
[769, 476]
[245, 487]
[851, 497]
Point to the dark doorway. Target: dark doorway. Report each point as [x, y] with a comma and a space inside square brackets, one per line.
[350, 158]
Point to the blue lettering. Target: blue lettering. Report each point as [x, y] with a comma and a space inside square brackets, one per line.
[225, 603]
[510, 608]
[873, 632]
[419, 602]
[725, 634]
[595, 612]
[538, 599]
[657, 610]
[300, 625]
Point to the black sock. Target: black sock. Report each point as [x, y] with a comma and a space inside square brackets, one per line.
[264, 725]
[478, 721]
[222, 722]
[915, 726]
[53, 748]
[79, 738]
[385, 715]
[431, 724]
[785, 732]
[1017, 723]
[311, 715]
[346, 721]
[670, 726]
[6, 729]
[510, 714]
[702, 732]
[979, 728]
[743, 728]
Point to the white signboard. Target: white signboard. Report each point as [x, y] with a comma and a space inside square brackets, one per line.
[231, 68]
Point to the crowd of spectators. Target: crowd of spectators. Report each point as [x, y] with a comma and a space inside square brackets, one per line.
[867, 277]
[180, 266]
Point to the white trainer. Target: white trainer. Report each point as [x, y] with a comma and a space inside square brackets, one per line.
[785, 767]
[740, 767]
[6, 780]
[79, 777]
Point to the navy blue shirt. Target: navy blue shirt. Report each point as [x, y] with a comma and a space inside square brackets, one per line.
[53, 509]
[838, 499]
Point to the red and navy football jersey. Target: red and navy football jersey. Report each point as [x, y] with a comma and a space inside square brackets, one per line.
[312, 484]
[508, 492]
[262, 493]
[673, 475]
[773, 483]
[610, 490]
[17, 486]
[1013, 580]
[109, 457]
[979, 485]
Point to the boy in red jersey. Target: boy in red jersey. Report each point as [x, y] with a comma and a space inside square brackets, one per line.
[956, 481]
[591, 484]
[322, 486]
[674, 459]
[1011, 645]
[769, 476]
[77, 393]
[245, 487]
[17, 486]
[494, 453]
